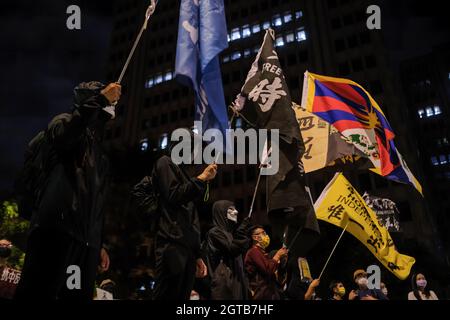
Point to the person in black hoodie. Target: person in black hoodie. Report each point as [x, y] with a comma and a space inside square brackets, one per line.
[177, 240]
[226, 242]
[67, 220]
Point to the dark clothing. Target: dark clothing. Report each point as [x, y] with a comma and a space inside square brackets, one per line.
[69, 210]
[9, 278]
[44, 274]
[261, 272]
[177, 240]
[375, 293]
[227, 243]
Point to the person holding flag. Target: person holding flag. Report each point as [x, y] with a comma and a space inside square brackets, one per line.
[267, 102]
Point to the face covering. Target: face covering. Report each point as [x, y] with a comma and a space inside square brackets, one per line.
[264, 241]
[385, 291]
[421, 283]
[341, 291]
[363, 282]
[232, 214]
[5, 252]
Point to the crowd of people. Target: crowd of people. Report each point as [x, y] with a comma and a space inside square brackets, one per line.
[232, 263]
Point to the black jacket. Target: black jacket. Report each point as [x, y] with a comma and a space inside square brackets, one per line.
[178, 221]
[227, 242]
[73, 196]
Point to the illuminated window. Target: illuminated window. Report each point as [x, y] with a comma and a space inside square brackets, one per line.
[256, 49]
[143, 145]
[266, 25]
[235, 34]
[430, 112]
[164, 141]
[228, 38]
[442, 159]
[238, 123]
[301, 34]
[158, 79]
[290, 38]
[276, 21]
[421, 113]
[168, 76]
[279, 42]
[298, 15]
[246, 31]
[247, 53]
[235, 55]
[437, 110]
[256, 28]
[287, 17]
[149, 83]
[434, 161]
[226, 59]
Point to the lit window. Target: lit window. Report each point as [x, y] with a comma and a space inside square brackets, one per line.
[287, 17]
[247, 52]
[235, 34]
[276, 20]
[266, 25]
[279, 42]
[149, 83]
[256, 50]
[246, 31]
[449, 76]
[228, 37]
[143, 145]
[226, 59]
[238, 123]
[301, 35]
[430, 112]
[434, 161]
[421, 113]
[235, 55]
[298, 15]
[437, 110]
[164, 141]
[445, 141]
[159, 79]
[168, 76]
[256, 28]
[442, 159]
[290, 38]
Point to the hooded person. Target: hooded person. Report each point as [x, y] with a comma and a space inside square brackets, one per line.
[67, 218]
[177, 233]
[226, 243]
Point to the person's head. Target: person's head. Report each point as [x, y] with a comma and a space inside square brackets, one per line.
[337, 289]
[383, 288]
[259, 236]
[420, 281]
[108, 285]
[360, 278]
[5, 249]
[225, 215]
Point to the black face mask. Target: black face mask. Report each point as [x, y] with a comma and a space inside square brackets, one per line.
[5, 252]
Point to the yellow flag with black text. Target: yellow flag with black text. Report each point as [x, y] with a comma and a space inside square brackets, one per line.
[340, 204]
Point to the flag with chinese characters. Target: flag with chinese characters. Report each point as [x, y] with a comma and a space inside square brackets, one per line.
[357, 116]
[341, 205]
[202, 35]
[325, 146]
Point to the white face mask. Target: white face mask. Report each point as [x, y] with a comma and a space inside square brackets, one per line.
[363, 282]
[232, 214]
[385, 291]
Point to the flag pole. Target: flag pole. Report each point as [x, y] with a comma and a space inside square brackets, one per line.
[335, 246]
[254, 193]
[264, 162]
[150, 10]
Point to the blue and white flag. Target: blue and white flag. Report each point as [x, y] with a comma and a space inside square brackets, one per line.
[202, 35]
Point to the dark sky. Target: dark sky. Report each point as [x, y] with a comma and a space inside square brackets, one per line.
[41, 60]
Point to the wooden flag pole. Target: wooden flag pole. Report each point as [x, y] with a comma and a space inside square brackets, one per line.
[332, 252]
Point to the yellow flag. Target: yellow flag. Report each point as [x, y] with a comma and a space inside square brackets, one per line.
[340, 204]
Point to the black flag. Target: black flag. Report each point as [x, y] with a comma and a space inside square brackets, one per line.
[265, 96]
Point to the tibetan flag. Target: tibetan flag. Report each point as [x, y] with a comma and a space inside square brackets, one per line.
[202, 36]
[341, 205]
[357, 116]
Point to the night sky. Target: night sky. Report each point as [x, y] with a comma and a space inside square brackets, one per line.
[41, 60]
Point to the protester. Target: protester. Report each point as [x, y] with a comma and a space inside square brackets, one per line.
[9, 277]
[337, 290]
[419, 289]
[67, 221]
[177, 240]
[302, 289]
[226, 242]
[384, 289]
[363, 292]
[261, 269]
